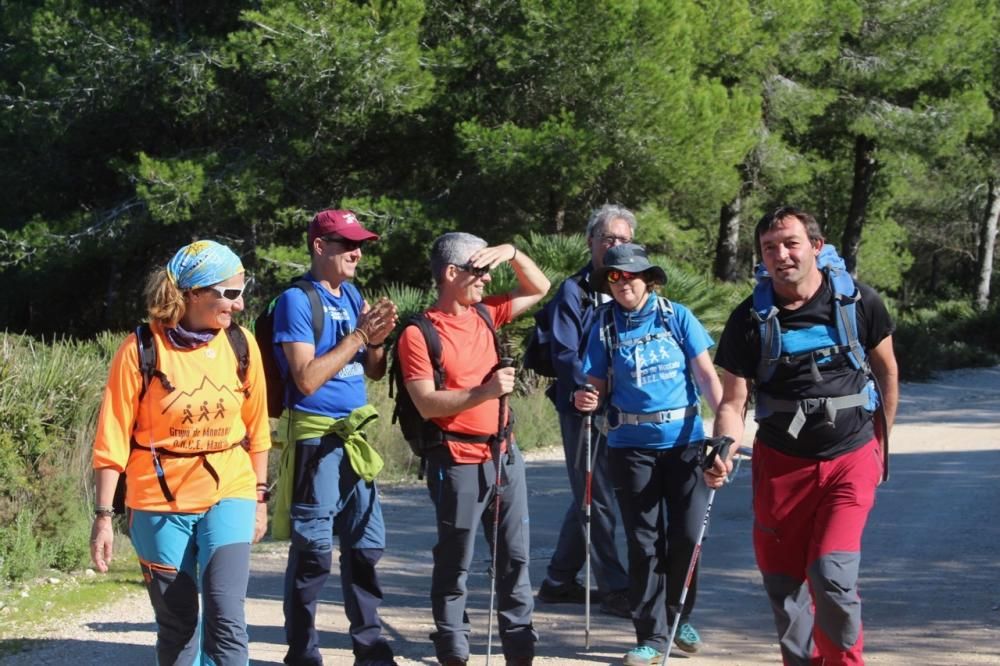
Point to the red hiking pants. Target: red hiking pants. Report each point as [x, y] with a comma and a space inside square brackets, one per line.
[809, 516]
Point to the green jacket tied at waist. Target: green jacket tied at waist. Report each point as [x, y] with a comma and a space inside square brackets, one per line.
[294, 426]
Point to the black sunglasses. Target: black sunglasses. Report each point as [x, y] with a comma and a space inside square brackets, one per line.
[479, 271]
[347, 244]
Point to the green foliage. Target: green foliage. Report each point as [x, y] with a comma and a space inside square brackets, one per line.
[710, 301]
[48, 405]
[951, 335]
[884, 257]
[171, 189]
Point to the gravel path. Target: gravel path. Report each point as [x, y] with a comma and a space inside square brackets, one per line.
[930, 576]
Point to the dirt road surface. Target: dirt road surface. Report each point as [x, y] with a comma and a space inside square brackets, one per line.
[930, 574]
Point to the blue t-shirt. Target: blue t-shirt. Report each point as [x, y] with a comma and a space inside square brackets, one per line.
[665, 380]
[345, 391]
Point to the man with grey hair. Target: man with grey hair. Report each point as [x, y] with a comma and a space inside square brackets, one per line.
[572, 314]
[465, 406]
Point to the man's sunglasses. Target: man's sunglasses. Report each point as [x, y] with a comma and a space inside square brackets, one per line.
[347, 244]
[616, 275]
[477, 271]
[231, 293]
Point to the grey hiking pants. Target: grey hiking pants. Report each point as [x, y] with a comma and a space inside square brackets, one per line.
[570, 553]
[463, 496]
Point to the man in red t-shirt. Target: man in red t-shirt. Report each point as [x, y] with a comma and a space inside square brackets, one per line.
[461, 475]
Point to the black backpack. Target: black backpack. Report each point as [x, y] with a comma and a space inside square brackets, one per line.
[538, 351]
[148, 368]
[263, 331]
[421, 435]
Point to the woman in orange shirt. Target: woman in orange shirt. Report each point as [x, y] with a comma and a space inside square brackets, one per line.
[192, 436]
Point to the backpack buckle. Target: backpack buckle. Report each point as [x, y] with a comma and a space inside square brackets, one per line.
[612, 417]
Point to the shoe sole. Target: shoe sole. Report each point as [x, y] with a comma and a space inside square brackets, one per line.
[644, 662]
[558, 600]
[613, 612]
[689, 648]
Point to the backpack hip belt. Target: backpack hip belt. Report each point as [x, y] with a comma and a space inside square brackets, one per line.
[617, 418]
[160, 452]
[829, 406]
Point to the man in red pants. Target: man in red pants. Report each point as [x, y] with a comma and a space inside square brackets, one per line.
[817, 350]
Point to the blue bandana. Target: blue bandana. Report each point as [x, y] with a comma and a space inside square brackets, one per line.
[201, 264]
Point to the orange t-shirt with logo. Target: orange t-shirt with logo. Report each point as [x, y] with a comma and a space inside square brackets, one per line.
[468, 356]
[207, 412]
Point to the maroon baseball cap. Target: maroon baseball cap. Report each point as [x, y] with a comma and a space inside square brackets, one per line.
[340, 222]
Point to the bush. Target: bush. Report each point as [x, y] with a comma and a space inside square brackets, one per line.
[950, 335]
[49, 397]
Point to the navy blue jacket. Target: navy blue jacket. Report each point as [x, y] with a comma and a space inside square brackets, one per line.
[572, 318]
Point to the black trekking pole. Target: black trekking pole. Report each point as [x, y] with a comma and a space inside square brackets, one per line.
[505, 362]
[588, 480]
[717, 447]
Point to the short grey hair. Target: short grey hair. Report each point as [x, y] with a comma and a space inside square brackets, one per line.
[600, 218]
[454, 247]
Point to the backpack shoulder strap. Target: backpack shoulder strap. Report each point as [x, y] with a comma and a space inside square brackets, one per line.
[846, 296]
[609, 338]
[315, 306]
[483, 312]
[433, 341]
[146, 350]
[671, 320]
[238, 341]
[765, 313]
[587, 297]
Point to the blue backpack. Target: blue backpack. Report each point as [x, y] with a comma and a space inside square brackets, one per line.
[819, 345]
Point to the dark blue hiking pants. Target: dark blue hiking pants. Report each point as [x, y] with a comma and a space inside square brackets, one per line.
[329, 498]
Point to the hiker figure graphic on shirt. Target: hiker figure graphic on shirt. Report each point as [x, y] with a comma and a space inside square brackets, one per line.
[658, 360]
[197, 410]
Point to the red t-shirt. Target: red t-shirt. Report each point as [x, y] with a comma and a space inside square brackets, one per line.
[468, 355]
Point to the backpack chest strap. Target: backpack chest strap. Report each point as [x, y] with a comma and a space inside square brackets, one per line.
[767, 405]
[635, 342]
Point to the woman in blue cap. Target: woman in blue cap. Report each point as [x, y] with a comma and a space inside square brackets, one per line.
[648, 360]
[184, 418]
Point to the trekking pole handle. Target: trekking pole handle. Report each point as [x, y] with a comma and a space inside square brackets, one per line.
[718, 447]
[589, 388]
[506, 362]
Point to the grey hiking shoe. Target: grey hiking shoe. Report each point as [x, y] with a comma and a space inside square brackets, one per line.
[616, 603]
[567, 593]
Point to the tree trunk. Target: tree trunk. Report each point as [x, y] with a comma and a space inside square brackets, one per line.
[727, 249]
[557, 212]
[987, 242]
[864, 175]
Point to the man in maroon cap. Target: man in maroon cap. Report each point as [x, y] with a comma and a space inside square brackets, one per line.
[322, 401]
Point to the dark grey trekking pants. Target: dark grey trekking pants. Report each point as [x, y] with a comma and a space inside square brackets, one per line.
[570, 554]
[662, 499]
[463, 496]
